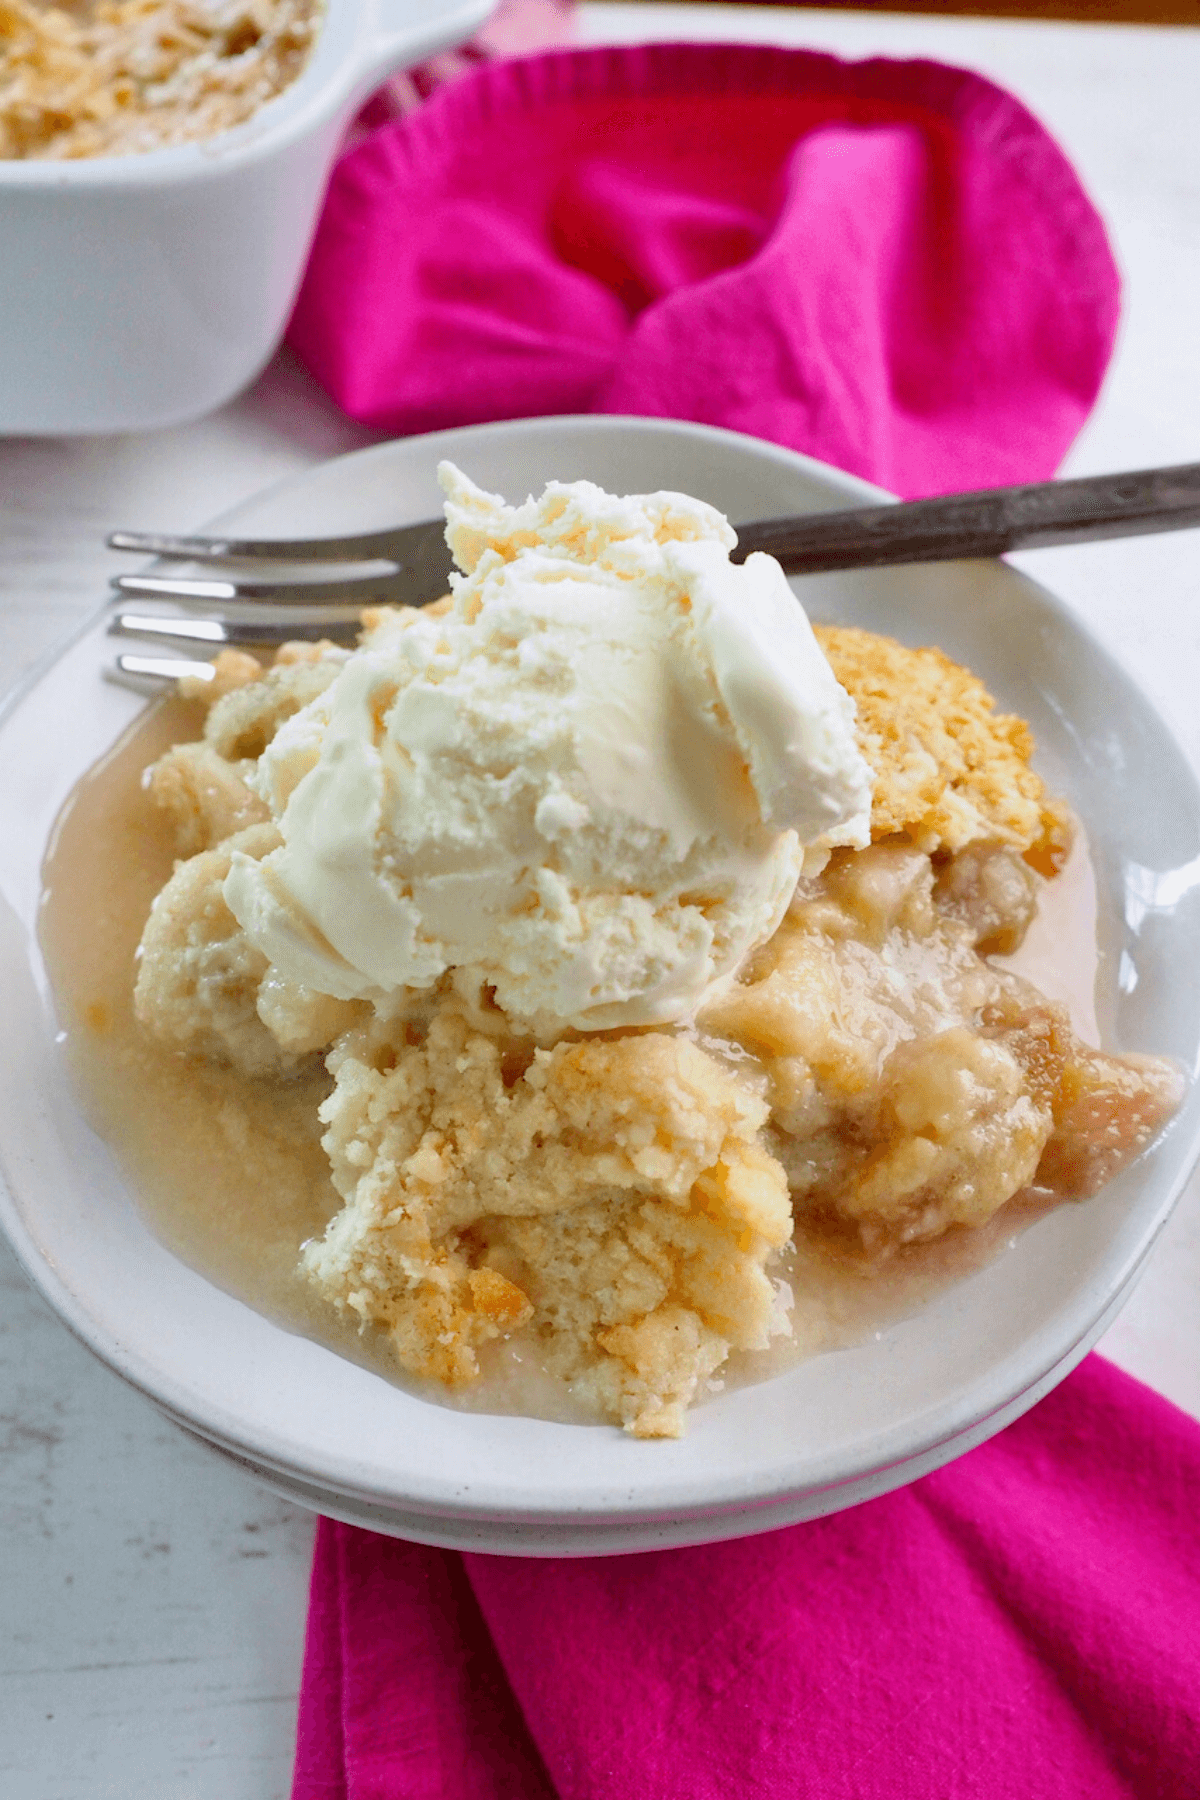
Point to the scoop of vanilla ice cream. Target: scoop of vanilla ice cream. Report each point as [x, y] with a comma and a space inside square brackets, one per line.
[590, 786]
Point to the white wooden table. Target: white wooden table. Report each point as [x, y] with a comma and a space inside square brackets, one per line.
[151, 1600]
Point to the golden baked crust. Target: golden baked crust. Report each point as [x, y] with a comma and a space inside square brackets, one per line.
[949, 769]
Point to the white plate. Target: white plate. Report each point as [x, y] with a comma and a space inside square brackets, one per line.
[829, 1433]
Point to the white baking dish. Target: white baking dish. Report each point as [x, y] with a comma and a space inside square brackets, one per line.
[144, 290]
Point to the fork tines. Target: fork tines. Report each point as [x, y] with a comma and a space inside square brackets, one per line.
[151, 674]
[349, 591]
[407, 565]
[183, 628]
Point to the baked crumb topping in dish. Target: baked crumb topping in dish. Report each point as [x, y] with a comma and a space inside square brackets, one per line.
[627, 1204]
[121, 76]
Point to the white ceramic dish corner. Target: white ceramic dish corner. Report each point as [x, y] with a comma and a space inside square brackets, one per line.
[139, 291]
[833, 1431]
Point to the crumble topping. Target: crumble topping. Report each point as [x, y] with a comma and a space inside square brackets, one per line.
[949, 769]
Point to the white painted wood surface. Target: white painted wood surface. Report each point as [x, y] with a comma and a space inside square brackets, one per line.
[152, 1599]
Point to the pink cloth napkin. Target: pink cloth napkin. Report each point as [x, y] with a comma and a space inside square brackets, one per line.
[888, 265]
[1022, 1625]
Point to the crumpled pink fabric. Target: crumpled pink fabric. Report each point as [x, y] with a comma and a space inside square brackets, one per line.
[890, 266]
[1023, 1624]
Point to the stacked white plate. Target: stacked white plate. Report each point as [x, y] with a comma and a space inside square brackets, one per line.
[835, 1430]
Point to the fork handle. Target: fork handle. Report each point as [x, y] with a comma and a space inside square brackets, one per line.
[986, 523]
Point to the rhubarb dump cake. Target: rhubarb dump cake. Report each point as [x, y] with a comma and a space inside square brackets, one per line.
[555, 996]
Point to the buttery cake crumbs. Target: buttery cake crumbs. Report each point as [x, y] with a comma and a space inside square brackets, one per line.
[616, 1191]
[617, 1198]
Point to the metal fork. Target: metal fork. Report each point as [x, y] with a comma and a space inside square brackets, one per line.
[410, 564]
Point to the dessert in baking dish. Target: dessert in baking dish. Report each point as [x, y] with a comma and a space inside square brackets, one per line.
[120, 76]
